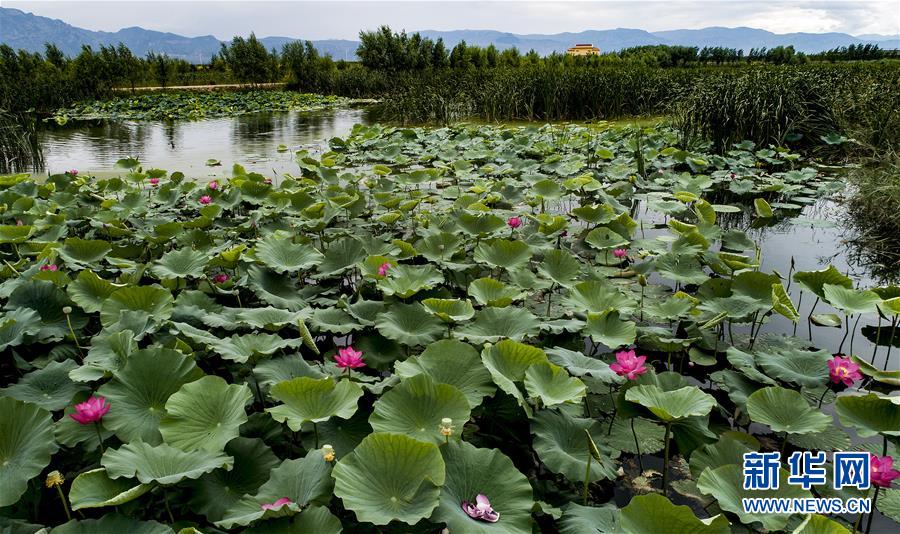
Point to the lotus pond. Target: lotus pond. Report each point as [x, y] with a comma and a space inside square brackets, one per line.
[478, 328]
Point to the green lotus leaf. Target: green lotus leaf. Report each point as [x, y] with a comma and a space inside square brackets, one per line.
[50, 387]
[869, 414]
[390, 477]
[268, 317]
[472, 471]
[439, 247]
[815, 281]
[609, 329]
[577, 519]
[280, 369]
[681, 268]
[83, 252]
[450, 310]
[284, 256]
[735, 307]
[405, 281]
[726, 485]
[490, 292]
[504, 253]
[275, 289]
[785, 410]
[16, 324]
[304, 481]
[26, 445]
[580, 365]
[650, 435]
[726, 451]
[560, 266]
[832, 438]
[819, 524]
[453, 362]
[242, 348]
[137, 308]
[215, 493]
[183, 263]
[604, 238]
[553, 385]
[507, 362]
[763, 209]
[653, 513]
[851, 300]
[333, 320]
[409, 324]
[672, 405]
[11, 233]
[205, 414]
[48, 301]
[480, 224]
[826, 319]
[890, 306]
[94, 489]
[781, 303]
[112, 524]
[891, 378]
[341, 255]
[803, 367]
[493, 324]
[138, 392]
[306, 399]
[595, 296]
[562, 445]
[889, 504]
[415, 408]
[162, 463]
[90, 291]
[317, 519]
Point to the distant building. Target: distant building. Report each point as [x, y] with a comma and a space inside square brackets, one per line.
[583, 50]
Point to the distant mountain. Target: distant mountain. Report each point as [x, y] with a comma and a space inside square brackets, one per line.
[29, 32]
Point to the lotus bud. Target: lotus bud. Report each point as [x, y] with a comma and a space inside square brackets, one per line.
[328, 453]
[54, 479]
[642, 280]
[67, 310]
[446, 427]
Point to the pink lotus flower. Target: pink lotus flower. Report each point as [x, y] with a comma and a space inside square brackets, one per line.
[514, 222]
[154, 182]
[206, 199]
[347, 358]
[220, 278]
[841, 369]
[19, 222]
[620, 252]
[481, 509]
[49, 267]
[629, 364]
[268, 181]
[213, 185]
[277, 504]
[91, 410]
[883, 472]
[73, 172]
[382, 271]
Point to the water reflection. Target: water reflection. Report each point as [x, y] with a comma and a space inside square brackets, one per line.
[250, 140]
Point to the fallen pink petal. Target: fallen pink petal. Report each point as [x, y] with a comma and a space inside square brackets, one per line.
[277, 504]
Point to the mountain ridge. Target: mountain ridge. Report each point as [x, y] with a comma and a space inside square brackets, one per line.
[29, 32]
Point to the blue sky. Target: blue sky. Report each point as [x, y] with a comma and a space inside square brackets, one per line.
[344, 19]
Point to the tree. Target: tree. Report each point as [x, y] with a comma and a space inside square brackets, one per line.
[248, 60]
[161, 65]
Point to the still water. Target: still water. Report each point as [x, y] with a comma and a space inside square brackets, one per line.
[250, 140]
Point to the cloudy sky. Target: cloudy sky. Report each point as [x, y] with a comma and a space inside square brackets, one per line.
[344, 19]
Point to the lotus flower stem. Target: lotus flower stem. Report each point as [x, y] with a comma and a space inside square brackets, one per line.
[637, 446]
[62, 499]
[99, 436]
[665, 478]
[587, 475]
[809, 317]
[72, 331]
[823, 396]
[846, 332]
[799, 304]
[853, 332]
[316, 432]
[891, 342]
[872, 513]
[168, 509]
[612, 418]
[550, 297]
[877, 339]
